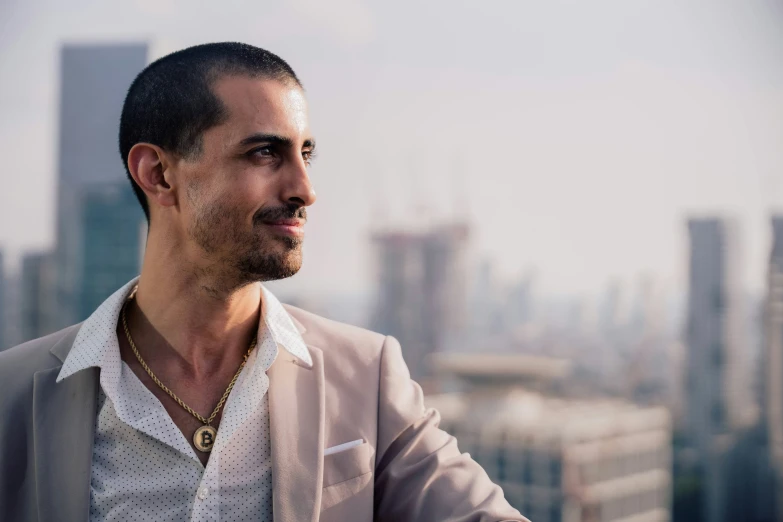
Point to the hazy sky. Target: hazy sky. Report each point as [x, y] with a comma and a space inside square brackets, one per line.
[577, 136]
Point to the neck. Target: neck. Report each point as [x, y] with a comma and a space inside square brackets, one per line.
[191, 314]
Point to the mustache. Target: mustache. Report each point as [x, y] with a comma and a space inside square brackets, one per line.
[278, 213]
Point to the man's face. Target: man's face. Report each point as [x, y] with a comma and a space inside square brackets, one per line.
[251, 174]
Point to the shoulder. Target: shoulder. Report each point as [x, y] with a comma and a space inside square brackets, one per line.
[20, 363]
[338, 339]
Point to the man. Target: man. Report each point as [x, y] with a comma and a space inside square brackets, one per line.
[192, 393]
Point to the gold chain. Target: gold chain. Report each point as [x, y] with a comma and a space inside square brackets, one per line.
[171, 393]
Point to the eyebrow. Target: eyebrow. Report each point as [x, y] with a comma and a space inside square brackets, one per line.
[275, 139]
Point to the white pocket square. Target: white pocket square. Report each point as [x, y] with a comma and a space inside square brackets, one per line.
[343, 447]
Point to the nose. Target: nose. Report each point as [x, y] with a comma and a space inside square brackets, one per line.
[299, 188]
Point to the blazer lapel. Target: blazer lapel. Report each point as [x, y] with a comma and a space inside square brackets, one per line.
[296, 413]
[63, 428]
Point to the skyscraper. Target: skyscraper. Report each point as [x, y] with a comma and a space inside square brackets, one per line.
[713, 376]
[421, 290]
[716, 387]
[4, 304]
[36, 289]
[772, 361]
[94, 81]
[113, 225]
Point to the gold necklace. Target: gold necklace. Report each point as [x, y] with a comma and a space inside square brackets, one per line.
[204, 437]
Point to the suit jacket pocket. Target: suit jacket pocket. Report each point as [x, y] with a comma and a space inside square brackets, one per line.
[350, 497]
[345, 465]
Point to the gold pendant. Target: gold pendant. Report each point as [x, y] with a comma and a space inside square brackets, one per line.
[204, 438]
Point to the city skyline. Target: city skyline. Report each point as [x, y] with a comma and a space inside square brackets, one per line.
[569, 220]
[606, 149]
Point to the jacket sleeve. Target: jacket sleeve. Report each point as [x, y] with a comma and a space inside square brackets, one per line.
[421, 476]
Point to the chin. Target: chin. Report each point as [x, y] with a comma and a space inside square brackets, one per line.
[289, 266]
[271, 266]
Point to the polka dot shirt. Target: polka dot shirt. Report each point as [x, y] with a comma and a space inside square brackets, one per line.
[143, 468]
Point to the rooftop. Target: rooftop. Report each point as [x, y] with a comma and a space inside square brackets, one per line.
[500, 369]
[521, 413]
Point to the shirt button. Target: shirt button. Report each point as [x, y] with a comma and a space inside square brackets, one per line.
[203, 493]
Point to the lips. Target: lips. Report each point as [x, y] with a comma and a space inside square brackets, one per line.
[286, 222]
[289, 227]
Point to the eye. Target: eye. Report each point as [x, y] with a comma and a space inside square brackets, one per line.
[261, 152]
[308, 156]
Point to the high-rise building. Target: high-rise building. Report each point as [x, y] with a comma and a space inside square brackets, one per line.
[4, 304]
[94, 81]
[772, 361]
[422, 294]
[485, 301]
[714, 380]
[557, 459]
[114, 231]
[519, 307]
[719, 407]
[37, 287]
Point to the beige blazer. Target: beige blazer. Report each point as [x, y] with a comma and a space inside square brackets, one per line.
[358, 388]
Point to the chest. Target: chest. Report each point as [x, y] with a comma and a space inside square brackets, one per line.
[190, 426]
[184, 400]
[150, 468]
[344, 479]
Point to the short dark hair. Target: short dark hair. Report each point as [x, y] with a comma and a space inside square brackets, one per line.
[170, 103]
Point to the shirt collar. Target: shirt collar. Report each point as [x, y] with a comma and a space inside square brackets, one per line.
[283, 329]
[96, 343]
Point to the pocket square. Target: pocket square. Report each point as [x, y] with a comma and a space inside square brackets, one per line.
[343, 447]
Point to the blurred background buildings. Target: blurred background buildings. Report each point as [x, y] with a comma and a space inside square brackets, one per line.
[645, 401]
[558, 458]
[422, 292]
[97, 227]
[770, 372]
[100, 225]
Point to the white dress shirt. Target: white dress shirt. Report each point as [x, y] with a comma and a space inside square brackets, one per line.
[143, 467]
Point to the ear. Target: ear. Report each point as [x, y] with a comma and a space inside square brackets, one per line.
[148, 165]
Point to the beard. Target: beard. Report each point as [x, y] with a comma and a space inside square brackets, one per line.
[248, 255]
[269, 264]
